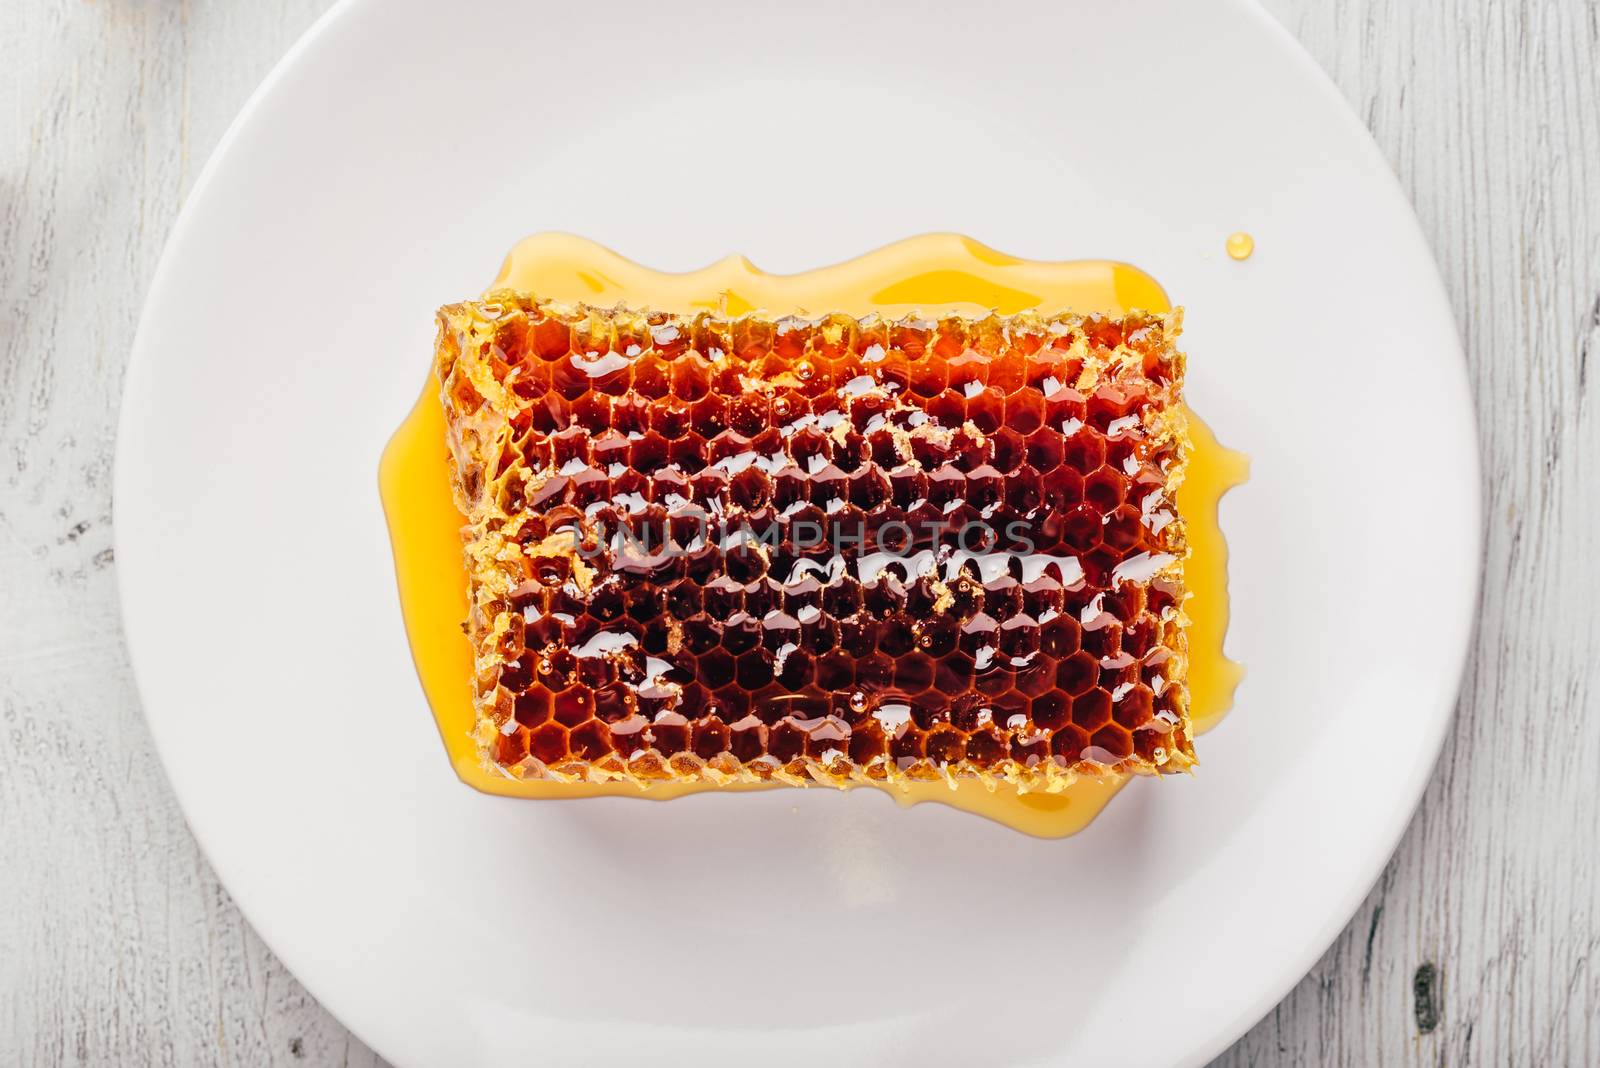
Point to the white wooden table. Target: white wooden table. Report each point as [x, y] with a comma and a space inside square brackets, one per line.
[1479, 945]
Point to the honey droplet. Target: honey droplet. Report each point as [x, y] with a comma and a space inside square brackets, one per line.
[1240, 245]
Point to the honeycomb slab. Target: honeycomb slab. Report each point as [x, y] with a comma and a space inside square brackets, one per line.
[723, 549]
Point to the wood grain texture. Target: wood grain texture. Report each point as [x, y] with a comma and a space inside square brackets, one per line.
[1490, 115]
[1478, 945]
[117, 945]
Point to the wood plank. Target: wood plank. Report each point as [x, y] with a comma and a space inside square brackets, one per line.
[1490, 115]
[122, 948]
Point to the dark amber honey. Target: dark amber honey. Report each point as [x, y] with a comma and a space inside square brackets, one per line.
[572, 268]
[829, 548]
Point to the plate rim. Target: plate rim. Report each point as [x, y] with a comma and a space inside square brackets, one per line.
[139, 365]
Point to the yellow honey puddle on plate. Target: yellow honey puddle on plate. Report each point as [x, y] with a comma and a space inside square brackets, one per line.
[932, 275]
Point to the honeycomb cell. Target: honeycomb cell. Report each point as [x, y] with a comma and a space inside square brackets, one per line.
[1092, 710]
[1002, 600]
[1100, 564]
[1122, 529]
[1110, 406]
[796, 672]
[985, 489]
[948, 409]
[1037, 676]
[1027, 750]
[591, 741]
[669, 733]
[835, 672]
[730, 705]
[1077, 674]
[532, 706]
[1081, 528]
[1008, 450]
[980, 636]
[928, 378]
[780, 631]
[652, 377]
[512, 748]
[869, 488]
[858, 636]
[944, 746]
[688, 453]
[1042, 597]
[613, 702]
[1103, 640]
[966, 712]
[1068, 743]
[906, 745]
[1019, 636]
[809, 448]
[987, 409]
[684, 599]
[715, 669]
[649, 453]
[818, 549]
[548, 743]
[691, 377]
[605, 381]
[753, 670]
[955, 673]
[569, 379]
[1052, 710]
[994, 681]
[867, 743]
[628, 735]
[895, 637]
[984, 748]
[913, 672]
[574, 705]
[709, 737]
[592, 413]
[875, 673]
[1114, 741]
[928, 712]
[1063, 486]
[786, 740]
[884, 449]
[710, 415]
[1024, 491]
[1134, 708]
[1104, 489]
[1084, 451]
[1025, 411]
[550, 339]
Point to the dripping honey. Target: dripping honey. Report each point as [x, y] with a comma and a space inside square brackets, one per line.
[931, 275]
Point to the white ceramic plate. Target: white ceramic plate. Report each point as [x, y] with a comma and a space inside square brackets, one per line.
[385, 167]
